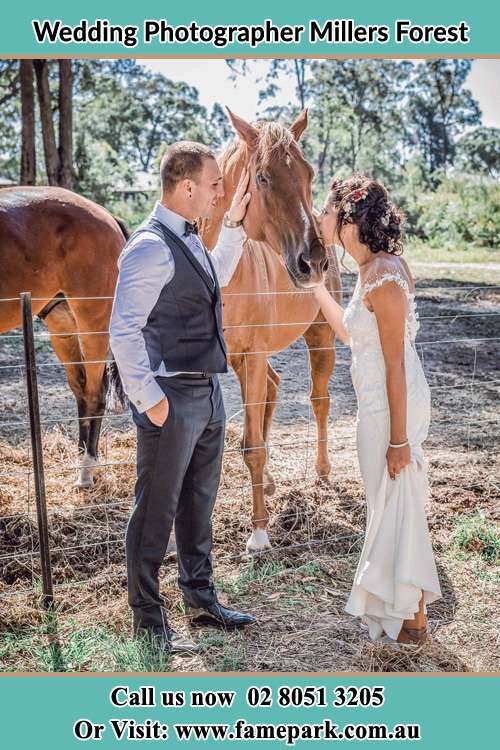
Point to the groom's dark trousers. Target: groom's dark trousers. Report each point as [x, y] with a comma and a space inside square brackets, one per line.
[178, 470]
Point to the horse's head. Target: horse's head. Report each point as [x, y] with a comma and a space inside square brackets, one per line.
[280, 209]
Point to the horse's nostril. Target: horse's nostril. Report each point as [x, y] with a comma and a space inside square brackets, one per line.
[324, 265]
[303, 264]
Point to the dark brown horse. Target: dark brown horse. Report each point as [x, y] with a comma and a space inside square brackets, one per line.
[63, 249]
[266, 305]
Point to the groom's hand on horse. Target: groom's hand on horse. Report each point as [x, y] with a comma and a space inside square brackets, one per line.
[159, 412]
[240, 200]
[397, 459]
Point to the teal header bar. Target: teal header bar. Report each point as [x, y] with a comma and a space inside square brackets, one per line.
[111, 711]
[227, 29]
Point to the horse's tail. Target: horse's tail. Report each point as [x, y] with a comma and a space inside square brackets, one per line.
[124, 228]
[113, 380]
[115, 385]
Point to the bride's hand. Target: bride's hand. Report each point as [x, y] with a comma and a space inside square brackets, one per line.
[397, 459]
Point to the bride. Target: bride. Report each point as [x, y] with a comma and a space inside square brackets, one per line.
[396, 575]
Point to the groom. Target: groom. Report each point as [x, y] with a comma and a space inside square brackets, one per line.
[167, 338]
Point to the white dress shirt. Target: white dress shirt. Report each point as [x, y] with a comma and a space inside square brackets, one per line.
[145, 266]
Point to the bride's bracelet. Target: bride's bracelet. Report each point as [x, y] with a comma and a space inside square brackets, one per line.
[399, 445]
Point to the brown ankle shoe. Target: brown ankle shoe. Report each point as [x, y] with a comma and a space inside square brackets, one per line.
[415, 636]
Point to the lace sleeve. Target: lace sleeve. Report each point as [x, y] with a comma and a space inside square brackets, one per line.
[382, 272]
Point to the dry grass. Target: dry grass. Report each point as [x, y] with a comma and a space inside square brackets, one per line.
[297, 590]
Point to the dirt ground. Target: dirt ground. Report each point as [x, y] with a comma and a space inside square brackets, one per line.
[299, 588]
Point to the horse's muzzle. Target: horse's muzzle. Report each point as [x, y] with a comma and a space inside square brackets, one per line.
[307, 269]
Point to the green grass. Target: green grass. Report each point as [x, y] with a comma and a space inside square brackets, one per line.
[227, 651]
[258, 571]
[95, 649]
[475, 536]
[418, 254]
[254, 571]
[425, 253]
[100, 649]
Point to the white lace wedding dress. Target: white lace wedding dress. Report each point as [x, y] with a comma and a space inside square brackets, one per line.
[397, 562]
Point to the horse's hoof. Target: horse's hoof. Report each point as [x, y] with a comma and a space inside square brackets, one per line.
[86, 476]
[84, 483]
[258, 541]
[323, 480]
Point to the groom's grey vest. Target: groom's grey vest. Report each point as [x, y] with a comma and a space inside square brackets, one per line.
[184, 328]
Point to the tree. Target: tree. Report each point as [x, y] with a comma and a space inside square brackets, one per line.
[357, 123]
[28, 149]
[479, 151]
[123, 114]
[218, 127]
[65, 124]
[58, 158]
[47, 120]
[298, 69]
[440, 110]
[10, 84]
[134, 110]
[9, 81]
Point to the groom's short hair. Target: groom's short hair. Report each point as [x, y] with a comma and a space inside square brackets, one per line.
[183, 160]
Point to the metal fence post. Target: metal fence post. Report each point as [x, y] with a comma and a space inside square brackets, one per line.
[36, 446]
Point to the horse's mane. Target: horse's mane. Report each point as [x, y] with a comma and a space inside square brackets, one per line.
[227, 154]
[274, 142]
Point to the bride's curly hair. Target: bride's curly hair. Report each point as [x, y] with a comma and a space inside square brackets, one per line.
[366, 203]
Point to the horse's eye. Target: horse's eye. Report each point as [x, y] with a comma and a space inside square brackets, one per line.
[261, 179]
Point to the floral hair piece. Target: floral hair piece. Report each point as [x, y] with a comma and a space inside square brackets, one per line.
[356, 197]
[386, 217]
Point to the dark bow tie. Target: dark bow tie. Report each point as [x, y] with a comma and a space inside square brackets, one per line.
[190, 228]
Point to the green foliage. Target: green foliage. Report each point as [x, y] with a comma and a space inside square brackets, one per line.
[475, 536]
[123, 113]
[479, 151]
[415, 127]
[462, 210]
[98, 168]
[10, 109]
[131, 211]
[357, 125]
[439, 109]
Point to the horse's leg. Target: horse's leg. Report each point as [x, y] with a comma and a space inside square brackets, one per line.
[66, 343]
[320, 341]
[92, 317]
[273, 381]
[252, 373]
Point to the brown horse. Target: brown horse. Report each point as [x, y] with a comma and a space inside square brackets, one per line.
[63, 248]
[266, 305]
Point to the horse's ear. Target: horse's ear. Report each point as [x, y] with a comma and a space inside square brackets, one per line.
[299, 125]
[246, 132]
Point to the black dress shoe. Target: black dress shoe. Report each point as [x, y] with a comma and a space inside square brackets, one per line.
[218, 616]
[167, 639]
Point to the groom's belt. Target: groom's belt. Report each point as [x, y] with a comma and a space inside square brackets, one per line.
[192, 375]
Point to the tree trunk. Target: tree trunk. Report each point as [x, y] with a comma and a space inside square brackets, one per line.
[48, 133]
[28, 151]
[65, 124]
[300, 74]
[323, 154]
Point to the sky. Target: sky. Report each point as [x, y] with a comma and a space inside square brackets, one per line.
[211, 78]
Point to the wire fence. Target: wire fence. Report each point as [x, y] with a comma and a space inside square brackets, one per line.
[459, 350]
